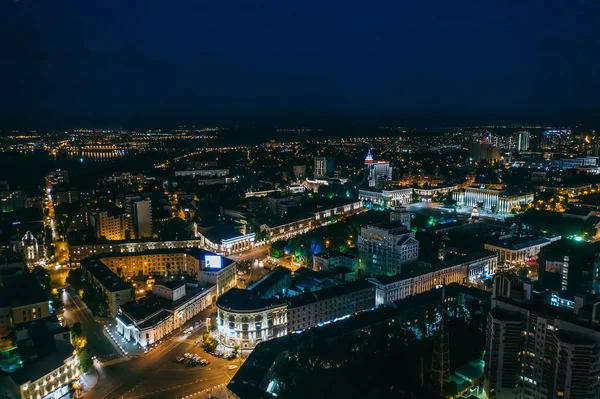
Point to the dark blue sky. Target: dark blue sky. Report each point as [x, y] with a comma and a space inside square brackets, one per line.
[68, 62]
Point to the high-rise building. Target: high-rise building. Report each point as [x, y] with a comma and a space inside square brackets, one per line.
[386, 249]
[377, 173]
[324, 166]
[483, 152]
[534, 350]
[520, 141]
[110, 226]
[554, 138]
[141, 218]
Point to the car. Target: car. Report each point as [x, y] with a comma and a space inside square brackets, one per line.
[230, 357]
[232, 367]
[187, 355]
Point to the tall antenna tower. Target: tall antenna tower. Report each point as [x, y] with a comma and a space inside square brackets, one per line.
[440, 365]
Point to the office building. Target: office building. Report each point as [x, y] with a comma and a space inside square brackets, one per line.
[556, 138]
[386, 249]
[377, 173]
[521, 141]
[141, 218]
[110, 226]
[65, 197]
[483, 152]
[324, 166]
[535, 350]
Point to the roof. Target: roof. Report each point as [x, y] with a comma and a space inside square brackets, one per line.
[327, 293]
[104, 275]
[270, 279]
[21, 291]
[237, 299]
[172, 285]
[221, 232]
[197, 253]
[516, 243]
[43, 365]
[146, 307]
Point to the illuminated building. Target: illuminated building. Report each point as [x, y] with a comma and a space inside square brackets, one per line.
[226, 239]
[324, 166]
[316, 308]
[30, 249]
[245, 319]
[377, 173]
[496, 200]
[465, 269]
[173, 303]
[191, 261]
[49, 376]
[554, 138]
[59, 176]
[386, 198]
[107, 284]
[333, 259]
[535, 350]
[110, 226]
[515, 250]
[386, 248]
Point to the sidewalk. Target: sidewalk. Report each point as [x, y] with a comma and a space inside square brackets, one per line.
[90, 379]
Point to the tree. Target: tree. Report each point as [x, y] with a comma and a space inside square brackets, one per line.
[85, 360]
[77, 338]
[43, 276]
[236, 350]
[210, 343]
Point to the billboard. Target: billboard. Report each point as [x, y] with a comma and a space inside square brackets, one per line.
[212, 261]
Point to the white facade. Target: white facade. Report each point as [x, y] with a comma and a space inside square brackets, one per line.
[387, 198]
[384, 250]
[490, 199]
[163, 321]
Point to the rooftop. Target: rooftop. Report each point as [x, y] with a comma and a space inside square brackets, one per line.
[104, 275]
[43, 365]
[516, 243]
[327, 293]
[197, 253]
[21, 291]
[270, 279]
[334, 254]
[245, 300]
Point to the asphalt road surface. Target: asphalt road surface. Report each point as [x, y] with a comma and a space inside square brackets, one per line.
[76, 311]
[155, 375]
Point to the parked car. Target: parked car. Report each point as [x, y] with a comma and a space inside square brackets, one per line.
[187, 355]
[232, 367]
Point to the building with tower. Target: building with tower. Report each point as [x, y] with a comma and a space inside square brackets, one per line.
[377, 173]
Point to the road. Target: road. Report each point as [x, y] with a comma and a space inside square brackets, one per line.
[77, 312]
[154, 375]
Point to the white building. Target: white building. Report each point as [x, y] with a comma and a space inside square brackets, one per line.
[50, 376]
[334, 259]
[386, 248]
[148, 321]
[386, 198]
[470, 268]
[514, 250]
[245, 319]
[490, 199]
[324, 166]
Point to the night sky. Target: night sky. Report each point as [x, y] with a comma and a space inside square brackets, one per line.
[69, 62]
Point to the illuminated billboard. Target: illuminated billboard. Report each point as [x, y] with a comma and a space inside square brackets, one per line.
[212, 261]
